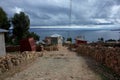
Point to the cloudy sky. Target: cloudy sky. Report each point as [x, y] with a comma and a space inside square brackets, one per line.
[56, 12]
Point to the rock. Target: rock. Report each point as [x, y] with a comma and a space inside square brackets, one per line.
[9, 64]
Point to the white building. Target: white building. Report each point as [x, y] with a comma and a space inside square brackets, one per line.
[56, 39]
[2, 42]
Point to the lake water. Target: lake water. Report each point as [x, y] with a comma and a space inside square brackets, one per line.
[90, 35]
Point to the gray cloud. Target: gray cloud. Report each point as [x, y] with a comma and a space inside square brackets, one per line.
[56, 12]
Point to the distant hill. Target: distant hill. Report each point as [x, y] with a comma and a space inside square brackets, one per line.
[115, 30]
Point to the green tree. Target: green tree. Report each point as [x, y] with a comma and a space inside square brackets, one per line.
[69, 39]
[4, 23]
[34, 35]
[21, 23]
[101, 39]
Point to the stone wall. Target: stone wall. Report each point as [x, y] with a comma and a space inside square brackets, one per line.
[10, 60]
[107, 56]
[52, 48]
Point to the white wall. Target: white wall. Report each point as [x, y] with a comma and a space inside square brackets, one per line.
[2, 45]
[59, 40]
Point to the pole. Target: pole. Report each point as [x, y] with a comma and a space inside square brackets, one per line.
[119, 36]
[70, 16]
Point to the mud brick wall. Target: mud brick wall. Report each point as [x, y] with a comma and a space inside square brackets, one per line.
[17, 48]
[12, 48]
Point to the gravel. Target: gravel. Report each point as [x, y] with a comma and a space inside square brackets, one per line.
[58, 65]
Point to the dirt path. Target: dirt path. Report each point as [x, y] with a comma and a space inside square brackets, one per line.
[58, 65]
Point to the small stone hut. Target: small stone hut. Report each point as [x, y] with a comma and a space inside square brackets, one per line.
[56, 39]
[2, 42]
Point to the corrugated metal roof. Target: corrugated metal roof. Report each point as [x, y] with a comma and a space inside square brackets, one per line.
[3, 30]
[55, 35]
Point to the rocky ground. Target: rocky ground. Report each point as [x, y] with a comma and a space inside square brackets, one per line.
[59, 65]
